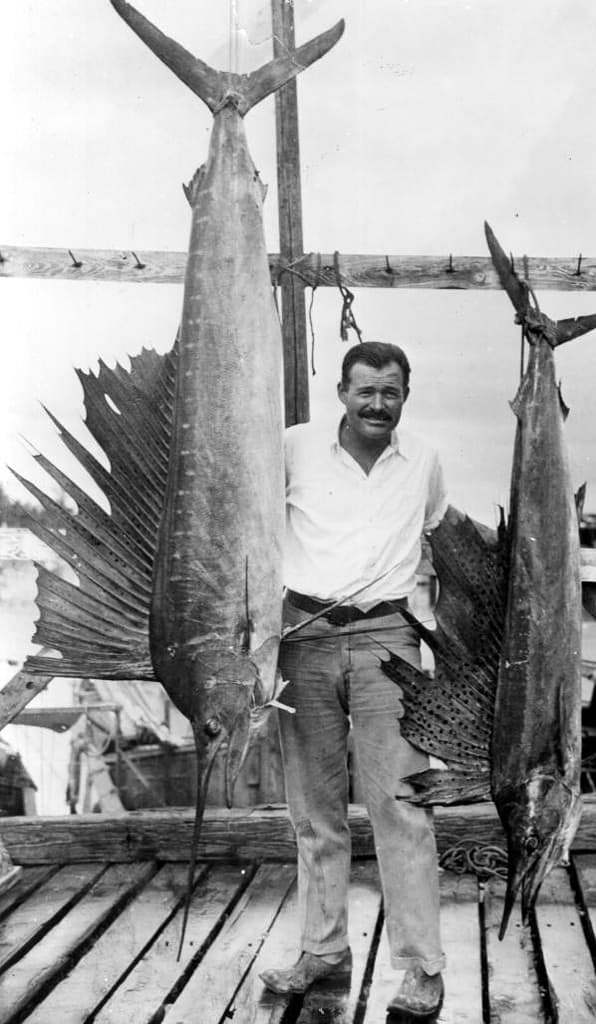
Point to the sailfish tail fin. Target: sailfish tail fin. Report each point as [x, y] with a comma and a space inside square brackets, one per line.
[214, 87]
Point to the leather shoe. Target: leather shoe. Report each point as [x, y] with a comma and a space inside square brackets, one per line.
[420, 994]
[308, 969]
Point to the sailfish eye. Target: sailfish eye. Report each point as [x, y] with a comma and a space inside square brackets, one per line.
[531, 842]
[212, 726]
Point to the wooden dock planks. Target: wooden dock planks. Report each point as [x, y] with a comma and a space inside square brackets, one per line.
[513, 985]
[99, 943]
[100, 971]
[460, 930]
[566, 956]
[158, 974]
[29, 975]
[34, 915]
[220, 973]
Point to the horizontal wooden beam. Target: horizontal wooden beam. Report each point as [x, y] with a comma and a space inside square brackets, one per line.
[259, 833]
[312, 269]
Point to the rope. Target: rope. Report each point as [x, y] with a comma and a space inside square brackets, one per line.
[347, 320]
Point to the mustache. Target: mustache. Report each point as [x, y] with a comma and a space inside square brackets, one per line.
[375, 416]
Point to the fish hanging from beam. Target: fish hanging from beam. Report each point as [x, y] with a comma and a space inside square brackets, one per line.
[182, 582]
[504, 710]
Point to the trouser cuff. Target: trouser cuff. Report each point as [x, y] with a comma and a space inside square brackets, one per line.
[404, 963]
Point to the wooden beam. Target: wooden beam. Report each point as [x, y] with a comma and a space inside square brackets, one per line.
[259, 833]
[293, 310]
[17, 693]
[548, 273]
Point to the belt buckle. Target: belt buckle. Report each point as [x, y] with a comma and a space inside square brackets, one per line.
[340, 616]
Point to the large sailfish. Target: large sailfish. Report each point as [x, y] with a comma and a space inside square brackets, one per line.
[503, 711]
[181, 582]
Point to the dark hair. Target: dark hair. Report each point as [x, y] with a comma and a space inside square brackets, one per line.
[376, 354]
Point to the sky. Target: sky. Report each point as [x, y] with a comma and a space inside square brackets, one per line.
[427, 118]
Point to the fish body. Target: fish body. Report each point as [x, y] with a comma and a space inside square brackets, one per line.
[503, 710]
[181, 580]
[215, 619]
[216, 608]
[536, 741]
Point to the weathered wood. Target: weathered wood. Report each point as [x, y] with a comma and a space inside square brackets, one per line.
[549, 273]
[513, 987]
[17, 693]
[384, 983]
[74, 999]
[28, 977]
[9, 873]
[26, 922]
[585, 867]
[156, 975]
[293, 311]
[254, 1004]
[460, 931]
[259, 833]
[339, 1000]
[30, 879]
[218, 975]
[568, 963]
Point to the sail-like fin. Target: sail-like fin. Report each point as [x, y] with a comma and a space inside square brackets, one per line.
[450, 716]
[216, 87]
[100, 625]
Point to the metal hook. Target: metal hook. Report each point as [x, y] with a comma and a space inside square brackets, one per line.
[512, 262]
[388, 268]
[449, 269]
[579, 266]
[139, 266]
[76, 263]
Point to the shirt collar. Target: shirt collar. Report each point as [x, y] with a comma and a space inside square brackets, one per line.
[398, 441]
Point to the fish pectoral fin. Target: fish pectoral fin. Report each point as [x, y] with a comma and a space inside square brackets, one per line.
[562, 404]
[191, 190]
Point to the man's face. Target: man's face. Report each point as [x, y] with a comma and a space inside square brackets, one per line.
[374, 400]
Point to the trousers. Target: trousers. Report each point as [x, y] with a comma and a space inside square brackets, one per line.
[334, 681]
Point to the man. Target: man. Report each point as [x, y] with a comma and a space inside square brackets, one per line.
[357, 505]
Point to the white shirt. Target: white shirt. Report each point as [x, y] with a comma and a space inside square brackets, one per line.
[345, 529]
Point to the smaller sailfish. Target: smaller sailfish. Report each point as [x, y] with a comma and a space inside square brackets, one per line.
[503, 711]
[181, 582]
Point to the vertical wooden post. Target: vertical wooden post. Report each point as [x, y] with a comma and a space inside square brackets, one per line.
[293, 310]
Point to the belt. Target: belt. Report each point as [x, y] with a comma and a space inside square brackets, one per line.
[344, 613]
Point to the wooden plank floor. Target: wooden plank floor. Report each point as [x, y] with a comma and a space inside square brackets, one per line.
[98, 943]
